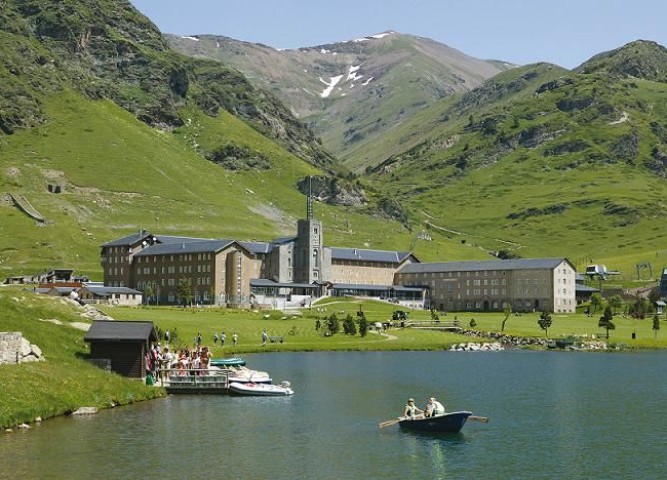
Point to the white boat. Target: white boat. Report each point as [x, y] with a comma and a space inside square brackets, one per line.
[261, 389]
[243, 374]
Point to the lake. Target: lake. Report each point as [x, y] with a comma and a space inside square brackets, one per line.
[552, 415]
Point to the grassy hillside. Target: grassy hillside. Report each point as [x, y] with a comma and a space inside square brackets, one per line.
[540, 161]
[64, 381]
[138, 136]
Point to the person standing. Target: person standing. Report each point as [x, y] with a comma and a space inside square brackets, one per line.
[235, 339]
[215, 338]
[265, 337]
[223, 337]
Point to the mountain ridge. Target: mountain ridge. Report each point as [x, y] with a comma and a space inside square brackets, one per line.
[350, 91]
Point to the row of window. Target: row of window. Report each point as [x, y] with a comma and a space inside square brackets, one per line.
[172, 269]
[183, 257]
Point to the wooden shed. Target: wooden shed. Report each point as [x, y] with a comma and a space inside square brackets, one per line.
[123, 344]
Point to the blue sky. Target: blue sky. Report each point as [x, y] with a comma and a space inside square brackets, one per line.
[564, 32]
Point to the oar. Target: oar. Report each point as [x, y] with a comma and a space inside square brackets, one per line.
[475, 418]
[389, 423]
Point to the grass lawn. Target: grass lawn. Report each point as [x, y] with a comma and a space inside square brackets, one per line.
[299, 333]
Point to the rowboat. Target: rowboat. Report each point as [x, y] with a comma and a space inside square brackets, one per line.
[261, 389]
[446, 423]
[227, 362]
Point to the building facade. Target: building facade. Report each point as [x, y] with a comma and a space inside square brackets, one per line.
[176, 270]
[525, 284]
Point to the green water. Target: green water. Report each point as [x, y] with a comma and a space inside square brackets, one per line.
[552, 415]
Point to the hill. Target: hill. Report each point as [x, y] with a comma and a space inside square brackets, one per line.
[540, 160]
[350, 92]
[104, 130]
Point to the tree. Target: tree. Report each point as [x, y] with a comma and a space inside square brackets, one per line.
[596, 302]
[606, 320]
[349, 328]
[507, 309]
[472, 323]
[545, 322]
[185, 291]
[363, 326]
[656, 325]
[149, 291]
[333, 324]
[639, 308]
[616, 303]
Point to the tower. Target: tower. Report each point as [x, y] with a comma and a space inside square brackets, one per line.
[309, 245]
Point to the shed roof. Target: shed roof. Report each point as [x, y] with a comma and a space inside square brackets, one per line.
[121, 331]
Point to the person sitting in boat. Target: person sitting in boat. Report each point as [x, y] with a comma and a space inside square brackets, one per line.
[438, 408]
[429, 409]
[411, 410]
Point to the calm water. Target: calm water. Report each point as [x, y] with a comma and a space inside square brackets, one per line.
[553, 415]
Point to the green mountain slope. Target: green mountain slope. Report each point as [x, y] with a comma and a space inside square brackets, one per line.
[95, 106]
[350, 92]
[542, 161]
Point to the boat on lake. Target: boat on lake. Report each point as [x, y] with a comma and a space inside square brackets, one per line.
[227, 362]
[446, 423]
[261, 389]
[242, 374]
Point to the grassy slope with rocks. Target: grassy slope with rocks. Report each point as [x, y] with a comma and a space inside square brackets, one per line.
[63, 382]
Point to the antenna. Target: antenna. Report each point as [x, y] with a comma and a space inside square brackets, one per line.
[309, 205]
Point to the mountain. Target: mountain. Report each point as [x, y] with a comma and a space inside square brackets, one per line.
[105, 130]
[540, 160]
[350, 92]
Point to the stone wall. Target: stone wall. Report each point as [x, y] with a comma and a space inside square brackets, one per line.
[16, 349]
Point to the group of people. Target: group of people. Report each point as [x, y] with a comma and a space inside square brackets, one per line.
[433, 407]
[161, 361]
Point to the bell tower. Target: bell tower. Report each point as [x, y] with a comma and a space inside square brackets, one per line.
[309, 245]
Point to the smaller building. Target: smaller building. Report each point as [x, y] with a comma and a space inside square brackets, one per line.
[95, 294]
[122, 345]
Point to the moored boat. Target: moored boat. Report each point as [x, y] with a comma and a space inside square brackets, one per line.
[227, 362]
[446, 423]
[261, 389]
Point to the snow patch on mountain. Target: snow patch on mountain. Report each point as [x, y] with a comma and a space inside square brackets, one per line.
[191, 38]
[352, 73]
[330, 85]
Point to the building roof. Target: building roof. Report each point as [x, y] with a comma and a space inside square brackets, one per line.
[192, 246]
[257, 247]
[471, 266]
[581, 288]
[121, 331]
[103, 291]
[128, 240]
[361, 255]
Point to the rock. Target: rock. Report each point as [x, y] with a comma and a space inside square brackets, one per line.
[24, 426]
[35, 350]
[25, 349]
[38, 420]
[85, 411]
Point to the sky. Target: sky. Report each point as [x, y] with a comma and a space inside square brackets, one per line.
[564, 32]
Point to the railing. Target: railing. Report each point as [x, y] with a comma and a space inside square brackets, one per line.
[194, 381]
[435, 324]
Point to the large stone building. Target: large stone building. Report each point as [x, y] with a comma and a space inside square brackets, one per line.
[240, 273]
[525, 284]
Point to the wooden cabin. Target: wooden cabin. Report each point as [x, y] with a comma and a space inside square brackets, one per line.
[123, 344]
